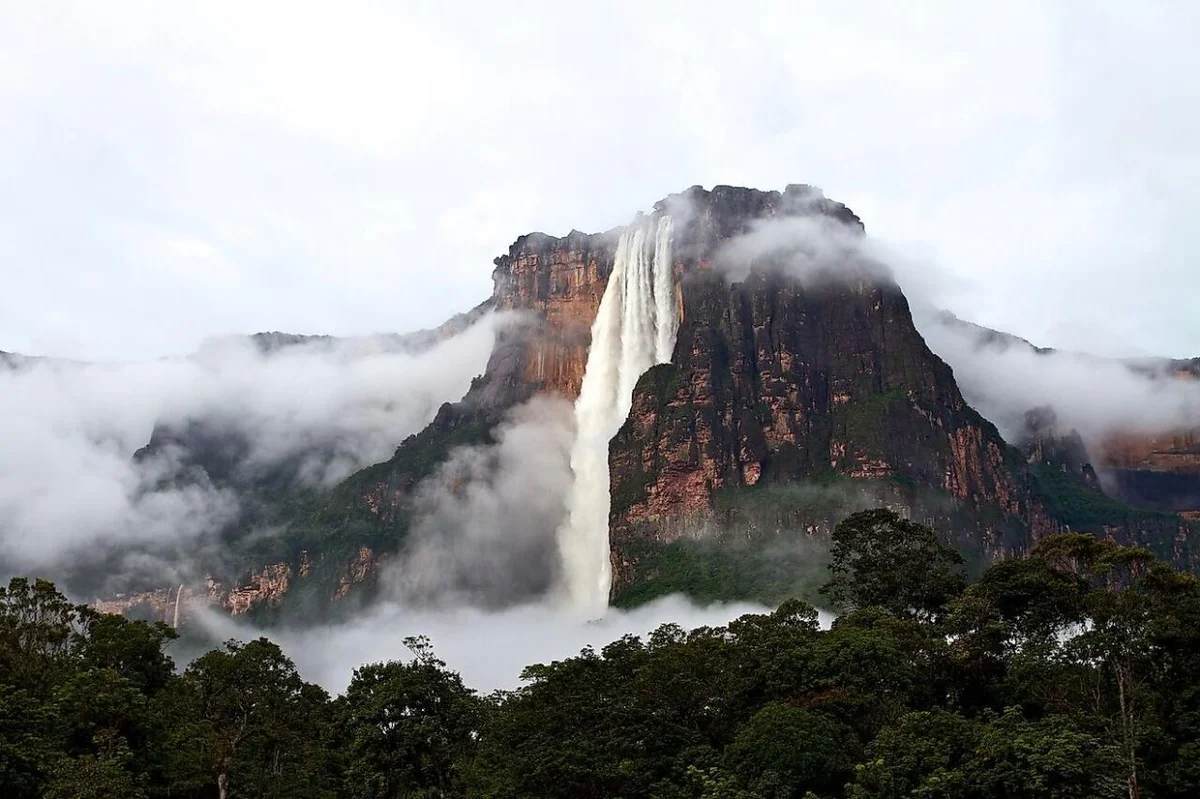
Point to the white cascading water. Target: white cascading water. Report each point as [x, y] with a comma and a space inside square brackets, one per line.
[635, 329]
[667, 318]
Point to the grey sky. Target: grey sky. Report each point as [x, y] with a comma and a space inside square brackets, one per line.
[170, 171]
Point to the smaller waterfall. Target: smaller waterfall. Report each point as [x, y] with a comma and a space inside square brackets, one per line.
[634, 329]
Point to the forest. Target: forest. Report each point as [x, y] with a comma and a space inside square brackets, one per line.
[1073, 672]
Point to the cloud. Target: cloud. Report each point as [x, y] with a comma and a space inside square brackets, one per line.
[489, 648]
[1003, 379]
[478, 571]
[818, 248]
[810, 248]
[339, 167]
[483, 526]
[70, 485]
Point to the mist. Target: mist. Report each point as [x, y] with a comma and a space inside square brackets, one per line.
[483, 525]
[70, 484]
[1001, 377]
[489, 649]
[808, 248]
[1004, 378]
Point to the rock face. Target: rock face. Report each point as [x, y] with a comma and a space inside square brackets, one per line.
[1157, 472]
[561, 281]
[1077, 497]
[1044, 443]
[778, 380]
[1152, 471]
[794, 369]
[266, 586]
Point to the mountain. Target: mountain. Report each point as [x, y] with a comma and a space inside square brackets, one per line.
[800, 389]
[216, 449]
[15, 361]
[1155, 469]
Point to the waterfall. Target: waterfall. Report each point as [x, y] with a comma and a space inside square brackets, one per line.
[664, 294]
[634, 329]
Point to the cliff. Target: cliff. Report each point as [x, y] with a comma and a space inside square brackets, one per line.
[799, 390]
[558, 282]
[1157, 470]
[1160, 472]
[781, 379]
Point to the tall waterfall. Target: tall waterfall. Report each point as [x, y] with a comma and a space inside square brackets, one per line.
[635, 328]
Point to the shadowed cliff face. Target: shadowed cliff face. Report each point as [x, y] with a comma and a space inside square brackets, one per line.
[778, 380]
[1159, 472]
[773, 384]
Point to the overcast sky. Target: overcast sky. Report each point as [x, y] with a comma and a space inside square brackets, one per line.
[170, 171]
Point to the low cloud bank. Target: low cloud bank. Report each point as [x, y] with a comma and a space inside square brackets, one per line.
[69, 482]
[1004, 378]
[488, 649]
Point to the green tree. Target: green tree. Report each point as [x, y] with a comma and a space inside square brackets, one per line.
[585, 728]
[1050, 758]
[921, 755]
[40, 632]
[714, 783]
[109, 772]
[136, 650]
[409, 727]
[27, 743]
[881, 559]
[243, 712]
[784, 752]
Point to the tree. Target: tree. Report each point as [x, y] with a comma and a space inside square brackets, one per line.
[409, 726]
[136, 650]
[1007, 631]
[26, 742]
[922, 754]
[110, 772]
[588, 727]
[1113, 651]
[715, 783]
[784, 752]
[40, 632]
[1050, 758]
[242, 711]
[881, 559]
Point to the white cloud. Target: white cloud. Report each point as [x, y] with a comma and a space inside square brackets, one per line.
[361, 162]
[69, 484]
[1096, 396]
[482, 529]
[489, 648]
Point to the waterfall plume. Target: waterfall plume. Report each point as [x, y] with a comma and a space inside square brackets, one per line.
[634, 329]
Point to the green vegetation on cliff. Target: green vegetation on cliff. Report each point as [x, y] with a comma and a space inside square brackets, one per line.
[709, 571]
[1083, 507]
[1080, 506]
